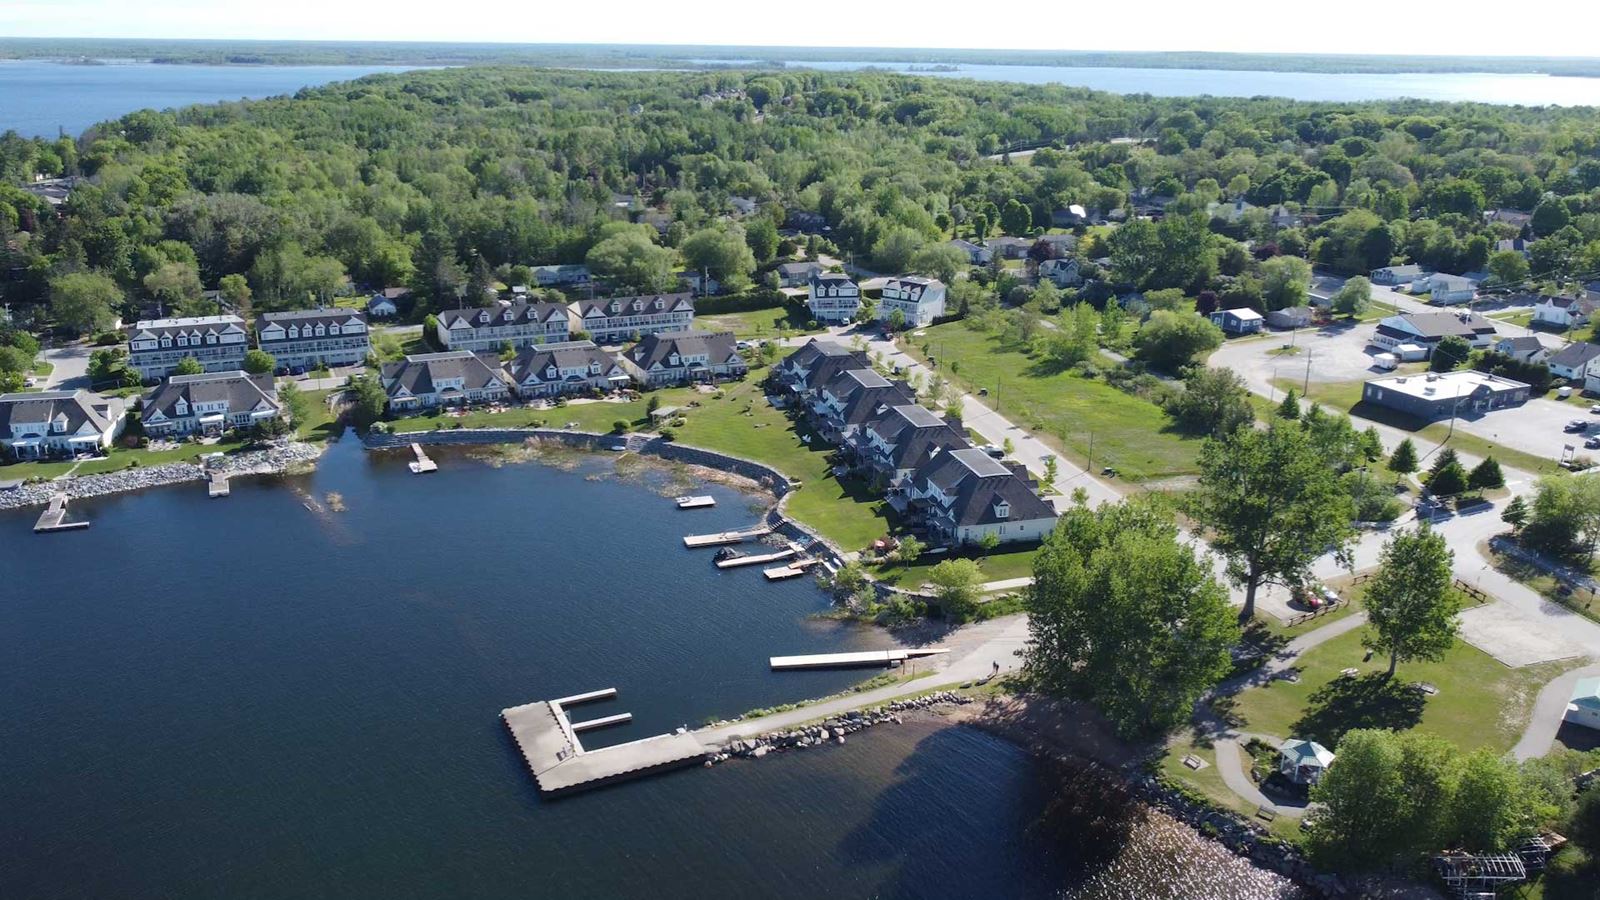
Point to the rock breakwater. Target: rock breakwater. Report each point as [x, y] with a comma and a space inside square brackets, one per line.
[269, 461]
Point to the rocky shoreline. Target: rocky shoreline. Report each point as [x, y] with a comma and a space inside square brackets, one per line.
[271, 461]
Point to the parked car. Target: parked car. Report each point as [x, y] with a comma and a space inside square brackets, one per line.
[1592, 443]
[994, 451]
[1595, 409]
[1577, 425]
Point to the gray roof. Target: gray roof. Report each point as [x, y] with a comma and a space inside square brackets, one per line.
[1574, 355]
[418, 373]
[908, 288]
[1409, 269]
[832, 277]
[536, 313]
[657, 349]
[78, 408]
[916, 435]
[538, 359]
[819, 361]
[624, 306]
[1435, 325]
[1520, 345]
[978, 484]
[240, 390]
[305, 318]
[201, 325]
[865, 395]
[799, 268]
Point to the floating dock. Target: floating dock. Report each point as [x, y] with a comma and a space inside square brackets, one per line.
[217, 484]
[738, 561]
[850, 660]
[54, 517]
[549, 743]
[792, 570]
[422, 464]
[700, 502]
[726, 537]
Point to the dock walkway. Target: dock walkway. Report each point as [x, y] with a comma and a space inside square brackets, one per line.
[54, 517]
[852, 660]
[738, 561]
[549, 743]
[217, 484]
[422, 464]
[727, 537]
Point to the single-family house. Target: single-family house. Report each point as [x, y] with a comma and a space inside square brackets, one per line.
[210, 404]
[45, 424]
[1062, 272]
[1443, 288]
[1572, 361]
[701, 284]
[1514, 217]
[919, 300]
[307, 338]
[1241, 320]
[833, 297]
[803, 221]
[1525, 349]
[563, 275]
[521, 324]
[1512, 245]
[1059, 245]
[1007, 247]
[619, 319]
[156, 346]
[1290, 317]
[976, 255]
[798, 274]
[1231, 211]
[852, 398]
[451, 378]
[1591, 376]
[960, 496]
[1564, 312]
[743, 206]
[380, 306]
[1397, 275]
[897, 443]
[570, 367]
[681, 357]
[1069, 216]
[1440, 395]
[814, 364]
[1427, 329]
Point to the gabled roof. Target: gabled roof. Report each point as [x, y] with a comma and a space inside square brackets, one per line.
[535, 361]
[535, 313]
[306, 318]
[603, 308]
[1575, 355]
[202, 325]
[1519, 345]
[1435, 325]
[418, 374]
[916, 434]
[242, 392]
[79, 408]
[980, 485]
[909, 288]
[798, 268]
[656, 350]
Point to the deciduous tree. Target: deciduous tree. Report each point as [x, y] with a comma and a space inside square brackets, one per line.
[1411, 605]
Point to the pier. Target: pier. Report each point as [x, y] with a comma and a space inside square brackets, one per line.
[217, 484]
[548, 739]
[54, 517]
[700, 502]
[726, 537]
[738, 561]
[863, 658]
[422, 464]
[792, 570]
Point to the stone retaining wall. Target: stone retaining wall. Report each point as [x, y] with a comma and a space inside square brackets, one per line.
[256, 462]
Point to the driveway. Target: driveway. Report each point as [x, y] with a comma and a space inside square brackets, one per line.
[71, 368]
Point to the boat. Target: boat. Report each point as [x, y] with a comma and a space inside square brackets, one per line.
[695, 502]
[726, 553]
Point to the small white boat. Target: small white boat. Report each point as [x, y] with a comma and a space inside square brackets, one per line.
[699, 502]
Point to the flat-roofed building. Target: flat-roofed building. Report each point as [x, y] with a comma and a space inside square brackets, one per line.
[1439, 395]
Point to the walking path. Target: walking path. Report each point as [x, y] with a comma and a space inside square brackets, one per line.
[1548, 710]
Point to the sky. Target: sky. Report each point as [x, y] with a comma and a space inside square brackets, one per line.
[1448, 27]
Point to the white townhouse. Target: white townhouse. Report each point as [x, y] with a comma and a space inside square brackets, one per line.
[311, 337]
[897, 443]
[573, 367]
[1443, 288]
[492, 327]
[920, 300]
[452, 378]
[156, 346]
[833, 297]
[44, 424]
[807, 369]
[962, 495]
[210, 404]
[619, 319]
[679, 357]
[854, 397]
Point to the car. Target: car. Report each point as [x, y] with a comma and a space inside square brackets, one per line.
[1592, 443]
[1595, 409]
[1577, 425]
[992, 450]
[30, 381]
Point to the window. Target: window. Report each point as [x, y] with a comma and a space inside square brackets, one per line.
[294, 331]
[211, 338]
[320, 331]
[183, 340]
[1002, 510]
[166, 340]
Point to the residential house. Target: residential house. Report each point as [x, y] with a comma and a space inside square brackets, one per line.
[1059, 245]
[1512, 245]
[1008, 247]
[1426, 330]
[1591, 376]
[1445, 288]
[1572, 361]
[681, 357]
[559, 276]
[802, 221]
[920, 300]
[45, 424]
[1397, 275]
[619, 319]
[897, 443]
[1564, 312]
[522, 324]
[572, 367]
[156, 346]
[1061, 272]
[210, 404]
[852, 398]
[1439, 395]
[311, 337]
[1513, 217]
[1230, 211]
[701, 284]
[1283, 217]
[1522, 349]
[976, 255]
[833, 297]
[1069, 216]
[960, 496]
[798, 274]
[452, 378]
[742, 206]
[1242, 320]
[1290, 317]
[814, 364]
[381, 307]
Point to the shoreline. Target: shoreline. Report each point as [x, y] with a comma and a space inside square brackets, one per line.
[276, 460]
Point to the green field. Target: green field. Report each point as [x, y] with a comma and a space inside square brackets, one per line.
[758, 323]
[1000, 565]
[1069, 412]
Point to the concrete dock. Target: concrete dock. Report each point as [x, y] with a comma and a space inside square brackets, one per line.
[740, 561]
[850, 660]
[792, 570]
[54, 517]
[726, 537]
[217, 484]
[698, 502]
[422, 464]
[549, 743]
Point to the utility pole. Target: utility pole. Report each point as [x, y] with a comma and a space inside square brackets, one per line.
[1305, 386]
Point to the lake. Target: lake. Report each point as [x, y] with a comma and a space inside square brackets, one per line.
[40, 97]
[262, 697]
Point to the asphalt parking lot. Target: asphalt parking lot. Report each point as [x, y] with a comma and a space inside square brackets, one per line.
[1535, 427]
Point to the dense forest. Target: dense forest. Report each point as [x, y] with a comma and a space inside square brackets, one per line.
[440, 179]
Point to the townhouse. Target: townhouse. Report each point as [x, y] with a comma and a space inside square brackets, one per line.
[571, 367]
[156, 346]
[894, 445]
[962, 495]
[45, 424]
[619, 319]
[210, 404]
[833, 297]
[522, 324]
[451, 378]
[308, 338]
[851, 399]
[919, 300]
[807, 369]
[681, 357]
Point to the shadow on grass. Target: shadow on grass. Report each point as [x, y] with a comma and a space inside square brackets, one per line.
[1366, 701]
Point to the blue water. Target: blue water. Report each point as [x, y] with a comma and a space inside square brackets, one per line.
[44, 98]
[247, 698]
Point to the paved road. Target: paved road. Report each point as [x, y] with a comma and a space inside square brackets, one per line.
[1548, 711]
[71, 371]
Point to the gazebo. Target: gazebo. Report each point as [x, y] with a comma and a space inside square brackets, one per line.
[1584, 707]
[1303, 762]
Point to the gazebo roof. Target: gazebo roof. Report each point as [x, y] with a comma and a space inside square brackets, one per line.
[1586, 693]
[1306, 753]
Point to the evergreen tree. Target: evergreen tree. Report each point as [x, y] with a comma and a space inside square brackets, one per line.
[1404, 459]
[1290, 407]
[1486, 475]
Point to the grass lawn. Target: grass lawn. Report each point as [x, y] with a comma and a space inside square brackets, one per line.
[758, 323]
[118, 459]
[582, 416]
[1066, 411]
[1517, 318]
[1481, 702]
[1000, 565]
[40, 367]
[320, 422]
[1208, 782]
[1545, 584]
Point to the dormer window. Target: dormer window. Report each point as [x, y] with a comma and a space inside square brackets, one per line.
[509, 315]
[661, 304]
[59, 423]
[550, 372]
[166, 340]
[1002, 510]
[211, 337]
[673, 359]
[294, 331]
[183, 340]
[616, 307]
[181, 407]
[320, 331]
[333, 329]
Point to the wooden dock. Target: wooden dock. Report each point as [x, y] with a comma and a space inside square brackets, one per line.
[549, 743]
[217, 484]
[54, 517]
[726, 537]
[740, 561]
[699, 502]
[422, 464]
[792, 570]
[883, 658]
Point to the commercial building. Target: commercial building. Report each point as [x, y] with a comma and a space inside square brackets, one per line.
[1439, 395]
